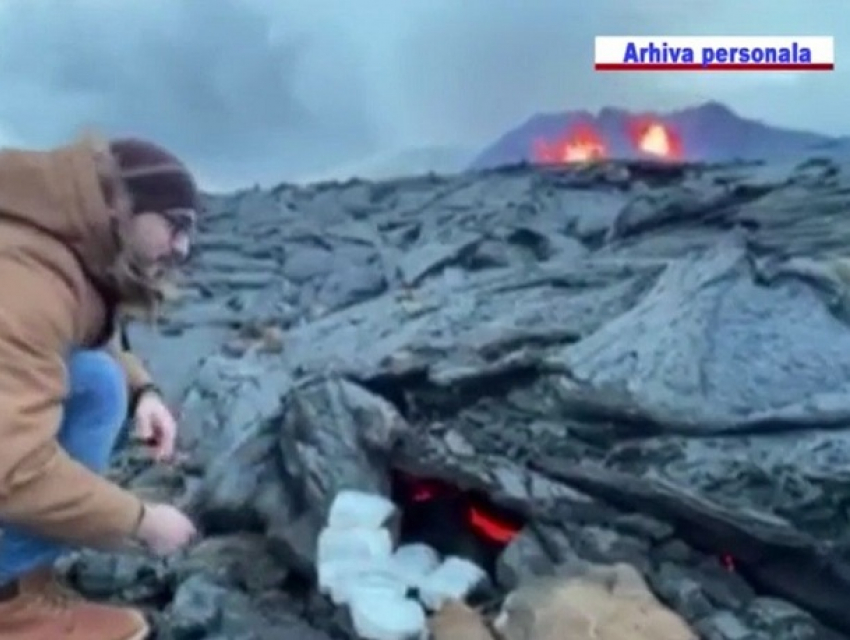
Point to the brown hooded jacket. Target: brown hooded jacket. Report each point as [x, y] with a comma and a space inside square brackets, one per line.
[57, 245]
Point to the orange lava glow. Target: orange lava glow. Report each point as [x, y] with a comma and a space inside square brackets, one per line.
[580, 144]
[654, 138]
[479, 517]
[583, 143]
[491, 527]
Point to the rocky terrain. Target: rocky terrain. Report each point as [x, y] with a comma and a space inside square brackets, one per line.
[647, 364]
[442, 159]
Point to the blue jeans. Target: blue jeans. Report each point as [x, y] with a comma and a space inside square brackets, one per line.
[94, 414]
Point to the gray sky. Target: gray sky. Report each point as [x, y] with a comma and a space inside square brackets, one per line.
[265, 90]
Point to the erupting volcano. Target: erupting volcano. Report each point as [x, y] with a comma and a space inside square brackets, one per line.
[710, 132]
[584, 143]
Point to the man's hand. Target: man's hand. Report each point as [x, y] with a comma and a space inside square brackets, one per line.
[156, 424]
[164, 529]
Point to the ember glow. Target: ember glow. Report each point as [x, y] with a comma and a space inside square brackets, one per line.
[491, 526]
[485, 521]
[580, 144]
[583, 143]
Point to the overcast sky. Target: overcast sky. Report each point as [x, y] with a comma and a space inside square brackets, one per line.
[265, 90]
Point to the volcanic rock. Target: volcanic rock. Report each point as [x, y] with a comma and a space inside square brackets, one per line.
[456, 621]
[599, 603]
[638, 363]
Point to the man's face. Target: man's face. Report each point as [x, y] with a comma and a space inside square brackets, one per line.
[163, 239]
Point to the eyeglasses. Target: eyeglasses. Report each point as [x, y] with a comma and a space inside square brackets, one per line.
[181, 220]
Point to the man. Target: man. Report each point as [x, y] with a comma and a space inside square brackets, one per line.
[86, 231]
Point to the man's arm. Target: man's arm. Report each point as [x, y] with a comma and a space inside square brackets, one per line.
[41, 488]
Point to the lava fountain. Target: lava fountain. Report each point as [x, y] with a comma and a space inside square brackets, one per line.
[654, 138]
[647, 137]
[582, 143]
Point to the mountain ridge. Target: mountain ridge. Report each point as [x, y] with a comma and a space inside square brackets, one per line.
[711, 131]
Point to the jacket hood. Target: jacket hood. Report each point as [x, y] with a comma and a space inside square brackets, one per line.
[72, 194]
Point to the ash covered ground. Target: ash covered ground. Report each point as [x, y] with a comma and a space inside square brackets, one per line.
[649, 362]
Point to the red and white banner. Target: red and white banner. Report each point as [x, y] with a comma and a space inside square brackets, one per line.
[714, 53]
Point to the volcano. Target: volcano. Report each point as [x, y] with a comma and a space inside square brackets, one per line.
[710, 132]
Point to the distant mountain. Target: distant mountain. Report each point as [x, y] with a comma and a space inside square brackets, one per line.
[708, 132]
[404, 162]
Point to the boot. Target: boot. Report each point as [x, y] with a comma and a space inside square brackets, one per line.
[38, 607]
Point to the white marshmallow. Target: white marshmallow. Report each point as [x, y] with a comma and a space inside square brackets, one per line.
[454, 579]
[414, 562]
[359, 509]
[341, 553]
[353, 544]
[378, 617]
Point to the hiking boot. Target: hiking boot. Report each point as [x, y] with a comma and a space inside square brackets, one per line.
[38, 607]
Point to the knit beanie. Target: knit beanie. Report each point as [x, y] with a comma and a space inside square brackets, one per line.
[155, 178]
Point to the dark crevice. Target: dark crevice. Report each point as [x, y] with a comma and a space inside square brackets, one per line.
[417, 397]
[452, 521]
[539, 245]
[394, 388]
[225, 521]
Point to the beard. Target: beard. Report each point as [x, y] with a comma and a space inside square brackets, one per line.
[141, 288]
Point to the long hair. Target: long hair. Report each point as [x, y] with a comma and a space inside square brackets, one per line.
[141, 290]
